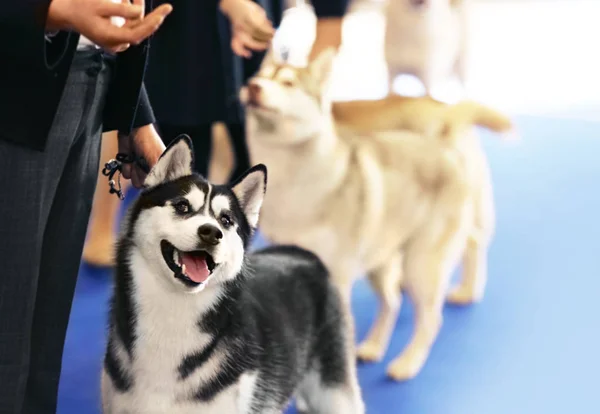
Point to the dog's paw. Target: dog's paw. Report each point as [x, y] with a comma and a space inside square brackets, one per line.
[370, 351]
[301, 405]
[406, 367]
[461, 295]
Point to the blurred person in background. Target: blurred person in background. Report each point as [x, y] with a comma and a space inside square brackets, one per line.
[69, 71]
[196, 67]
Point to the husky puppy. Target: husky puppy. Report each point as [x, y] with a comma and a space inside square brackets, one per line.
[197, 325]
[427, 39]
[402, 202]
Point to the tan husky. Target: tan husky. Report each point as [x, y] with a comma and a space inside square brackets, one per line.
[398, 188]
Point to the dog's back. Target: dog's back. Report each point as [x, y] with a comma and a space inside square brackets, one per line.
[297, 314]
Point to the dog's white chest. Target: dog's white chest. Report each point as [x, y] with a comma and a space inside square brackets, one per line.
[167, 332]
[148, 403]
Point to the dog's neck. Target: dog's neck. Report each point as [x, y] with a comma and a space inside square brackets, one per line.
[153, 294]
[316, 146]
[318, 158]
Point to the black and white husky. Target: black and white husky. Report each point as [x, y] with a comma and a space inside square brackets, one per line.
[197, 325]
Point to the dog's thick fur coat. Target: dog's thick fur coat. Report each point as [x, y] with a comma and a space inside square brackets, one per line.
[197, 325]
[398, 188]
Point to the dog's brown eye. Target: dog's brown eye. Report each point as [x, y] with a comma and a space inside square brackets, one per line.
[226, 221]
[288, 83]
[182, 207]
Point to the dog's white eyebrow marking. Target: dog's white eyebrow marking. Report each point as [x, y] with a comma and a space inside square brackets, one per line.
[267, 72]
[286, 74]
[196, 198]
[206, 207]
[220, 203]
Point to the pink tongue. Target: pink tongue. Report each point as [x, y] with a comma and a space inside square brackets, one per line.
[196, 268]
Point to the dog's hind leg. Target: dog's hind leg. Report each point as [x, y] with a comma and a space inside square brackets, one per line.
[386, 283]
[428, 262]
[474, 266]
[331, 385]
[474, 275]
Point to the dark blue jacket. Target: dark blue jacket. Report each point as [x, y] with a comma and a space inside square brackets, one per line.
[33, 73]
[193, 77]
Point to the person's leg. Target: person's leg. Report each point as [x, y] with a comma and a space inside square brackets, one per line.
[101, 236]
[62, 246]
[237, 134]
[28, 185]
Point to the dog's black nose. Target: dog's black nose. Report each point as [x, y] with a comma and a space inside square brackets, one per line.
[210, 234]
[253, 92]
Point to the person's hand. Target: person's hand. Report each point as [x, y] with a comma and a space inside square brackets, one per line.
[328, 34]
[251, 28]
[92, 19]
[143, 142]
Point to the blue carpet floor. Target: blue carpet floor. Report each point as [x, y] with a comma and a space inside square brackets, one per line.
[531, 347]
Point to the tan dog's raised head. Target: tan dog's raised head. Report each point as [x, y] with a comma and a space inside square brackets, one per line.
[281, 93]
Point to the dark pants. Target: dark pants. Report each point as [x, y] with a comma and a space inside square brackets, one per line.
[45, 202]
[201, 136]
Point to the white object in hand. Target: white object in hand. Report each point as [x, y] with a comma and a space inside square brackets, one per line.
[117, 20]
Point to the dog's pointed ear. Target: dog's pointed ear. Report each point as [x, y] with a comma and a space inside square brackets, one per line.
[321, 67]
[268, 59]
[177, 161]
[250, 191]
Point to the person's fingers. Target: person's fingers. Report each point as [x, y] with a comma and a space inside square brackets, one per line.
[150, 24]
[140, 3]
[138, 177]
[118, 48]
[249, 43]
[125, 10]
[259, 27]
[262, 36]
[237, 46]
[126, 170]
[109, 35]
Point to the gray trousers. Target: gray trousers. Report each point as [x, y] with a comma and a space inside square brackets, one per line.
[45, 203]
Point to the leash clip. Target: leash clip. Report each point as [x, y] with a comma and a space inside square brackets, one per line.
[115, 166]
[111, 168]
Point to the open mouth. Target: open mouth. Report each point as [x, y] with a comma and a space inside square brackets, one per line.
[191, 268]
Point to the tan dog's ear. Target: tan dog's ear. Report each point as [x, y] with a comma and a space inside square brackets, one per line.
[269, 58]
[321, 67]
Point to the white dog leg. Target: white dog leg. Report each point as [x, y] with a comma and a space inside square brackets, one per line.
[318, 398]
[426, 276]
[386, 284]
[474, 276]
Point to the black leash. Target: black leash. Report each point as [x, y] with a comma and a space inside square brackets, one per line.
[115, 166]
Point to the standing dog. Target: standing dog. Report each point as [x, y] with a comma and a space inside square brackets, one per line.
[404, 205]
[427, 39]
[197, 325]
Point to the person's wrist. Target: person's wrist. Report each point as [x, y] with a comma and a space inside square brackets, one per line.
[143, 131]
[226, 6]
[58, 16]
[328, 34]
[329, 29]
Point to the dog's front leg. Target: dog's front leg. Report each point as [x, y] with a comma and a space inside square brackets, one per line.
[385, 281]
